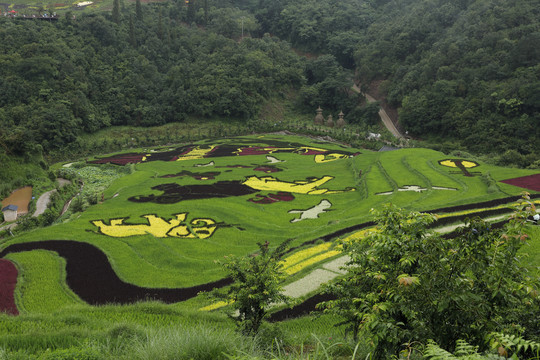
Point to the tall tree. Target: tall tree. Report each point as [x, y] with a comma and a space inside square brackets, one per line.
[257, 285]
[160, 26]
[138, 10]
[405, 284]
[116, 11]
[205, 12]
[132, 39]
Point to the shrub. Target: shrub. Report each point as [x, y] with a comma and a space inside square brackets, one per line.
[72, 354]
[406, 285]
[257, 285]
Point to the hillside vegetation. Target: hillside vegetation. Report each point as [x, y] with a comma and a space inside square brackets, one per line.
[173, 121]
[149, 225]
[465, 72]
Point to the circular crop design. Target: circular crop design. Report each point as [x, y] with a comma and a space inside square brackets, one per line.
[455, 163]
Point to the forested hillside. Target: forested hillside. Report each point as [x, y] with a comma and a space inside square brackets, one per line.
[461, 73]
[59, 79]
[465, 72]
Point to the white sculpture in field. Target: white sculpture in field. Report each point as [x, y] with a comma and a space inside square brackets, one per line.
[311, 213]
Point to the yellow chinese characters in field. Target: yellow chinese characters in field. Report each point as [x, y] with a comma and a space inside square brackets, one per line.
[323, 158]
[159, 227]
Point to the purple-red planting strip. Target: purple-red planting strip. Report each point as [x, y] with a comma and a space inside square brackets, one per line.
[8, 281]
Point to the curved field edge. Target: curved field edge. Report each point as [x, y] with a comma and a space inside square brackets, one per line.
[8, 282]
[91, 277]
[127, 257]
[41, 285]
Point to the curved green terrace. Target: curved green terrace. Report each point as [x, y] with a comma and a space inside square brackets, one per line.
[173, 244]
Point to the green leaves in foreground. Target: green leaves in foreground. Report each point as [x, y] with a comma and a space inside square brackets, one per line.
[257, 285]
[405, 285]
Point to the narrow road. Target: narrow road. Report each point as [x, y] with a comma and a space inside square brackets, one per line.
[382, 114]
[43, 202]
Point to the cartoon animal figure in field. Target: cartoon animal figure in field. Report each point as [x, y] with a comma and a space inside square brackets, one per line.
[173, 193]
[309, 187]
[311, 213]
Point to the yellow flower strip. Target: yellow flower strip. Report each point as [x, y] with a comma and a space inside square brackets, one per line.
[448, 163]
[292, 265]
[359, 234]
[468, 164]
[304, 254]
[452, 163]
[296, 268]
[215, 306]
[297, 262]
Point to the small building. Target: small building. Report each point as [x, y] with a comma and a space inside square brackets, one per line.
[10, 212]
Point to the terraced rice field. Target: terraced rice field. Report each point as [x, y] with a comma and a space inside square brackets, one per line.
[158, 230]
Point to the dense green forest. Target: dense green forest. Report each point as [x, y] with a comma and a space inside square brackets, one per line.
[461, 71]
[464, 74]
[61, 79]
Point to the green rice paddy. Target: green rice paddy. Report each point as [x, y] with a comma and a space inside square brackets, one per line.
[183, 255]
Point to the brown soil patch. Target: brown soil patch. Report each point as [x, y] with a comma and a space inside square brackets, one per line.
[20, 197]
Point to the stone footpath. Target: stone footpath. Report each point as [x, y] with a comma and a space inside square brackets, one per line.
[331, 270]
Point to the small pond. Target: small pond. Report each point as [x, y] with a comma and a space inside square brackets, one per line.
[20, 197]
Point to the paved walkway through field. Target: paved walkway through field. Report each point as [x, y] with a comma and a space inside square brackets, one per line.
[332, 269]
[44, 200]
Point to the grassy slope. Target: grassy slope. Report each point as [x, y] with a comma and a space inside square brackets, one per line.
[41, 286]
[172, 262]
[150, 261]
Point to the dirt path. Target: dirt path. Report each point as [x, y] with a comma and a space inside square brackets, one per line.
[382, 114]
[44, 200]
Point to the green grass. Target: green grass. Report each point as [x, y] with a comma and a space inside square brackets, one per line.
[157, 331]
[376, 180]
[149, 261]
[41, 286]
[531, 250]
[53, 318]
[393, 164]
